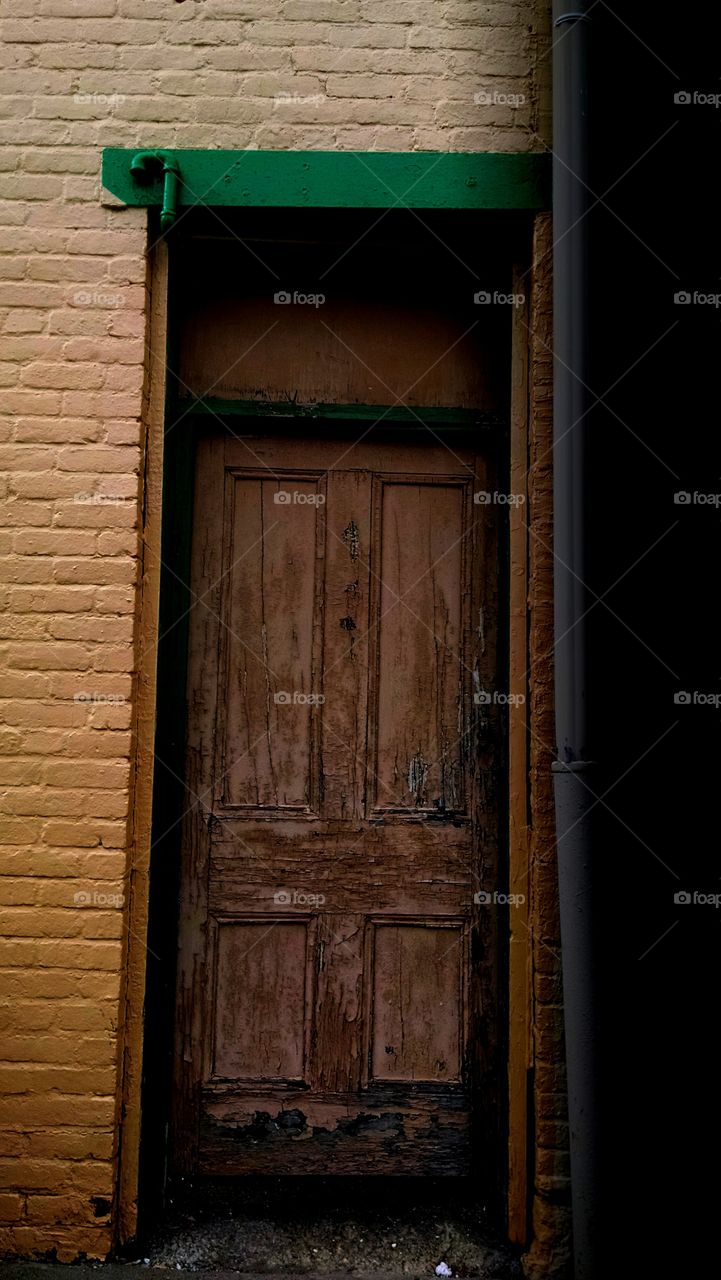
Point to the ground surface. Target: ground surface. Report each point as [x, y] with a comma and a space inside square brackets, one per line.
[292, 1229]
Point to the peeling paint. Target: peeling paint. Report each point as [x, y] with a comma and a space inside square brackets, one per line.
[351, 538]
[481, 630]
[418, 778]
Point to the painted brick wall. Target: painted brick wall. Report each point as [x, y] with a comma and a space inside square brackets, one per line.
[549, 1255]
[79, 75]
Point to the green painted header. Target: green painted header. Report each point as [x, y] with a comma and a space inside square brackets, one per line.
[375, 414]
[335, 179]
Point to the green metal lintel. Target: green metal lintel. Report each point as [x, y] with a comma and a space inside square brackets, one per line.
[338, 179]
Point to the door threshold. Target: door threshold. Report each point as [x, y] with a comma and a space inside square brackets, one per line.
[328, 1228]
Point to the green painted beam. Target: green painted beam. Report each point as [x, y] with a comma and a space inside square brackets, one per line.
[433, 415]
[338, 179]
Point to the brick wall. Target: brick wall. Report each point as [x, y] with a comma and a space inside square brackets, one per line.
[79, 75]
[549, 1255]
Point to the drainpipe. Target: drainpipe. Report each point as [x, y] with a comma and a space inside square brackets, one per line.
[573, 772]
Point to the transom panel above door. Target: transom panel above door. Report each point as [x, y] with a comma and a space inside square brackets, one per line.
[335, 1009]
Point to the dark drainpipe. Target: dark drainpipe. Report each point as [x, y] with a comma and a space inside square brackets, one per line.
[573, 772]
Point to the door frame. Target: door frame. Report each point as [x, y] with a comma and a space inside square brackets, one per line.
[164, 490]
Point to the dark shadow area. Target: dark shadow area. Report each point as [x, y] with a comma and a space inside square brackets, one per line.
[655, 635]
[354, 1226]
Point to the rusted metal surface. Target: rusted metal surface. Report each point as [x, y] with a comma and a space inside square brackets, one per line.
[337, 982]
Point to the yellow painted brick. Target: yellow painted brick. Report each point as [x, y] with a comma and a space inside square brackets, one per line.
[115, 599]
[59, 1209]
[62, 802]
[55, 984]
[57, 1047]
[52, 599]
[111, 717]
[99, 570]
[65, 1242]
[26, 713]
[24, 320]
[12, 1207]
[53, 541]
[78, 744]
[70, 1144]
[90, 1176]
[105, 514]
[117, 542]
[60, 656]
[61, 953]
[13, 829]
[98, 459]
[61, 376]
[39, 1109]
[95, 773]
[23, 685]
[92, 628]
[14, 1144]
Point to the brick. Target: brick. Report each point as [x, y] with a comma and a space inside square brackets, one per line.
[12, 1207]
[51, 599]
[79, 953]
[90, 1176]
[56, 983]
[65, 1243]
[58, 1209]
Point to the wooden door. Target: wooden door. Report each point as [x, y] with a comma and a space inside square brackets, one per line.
[336, 978]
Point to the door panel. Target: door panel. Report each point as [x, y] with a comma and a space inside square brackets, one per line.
[271, 559]
[335, 989]
[416, 1026]
[261, 1037]
[420, 633]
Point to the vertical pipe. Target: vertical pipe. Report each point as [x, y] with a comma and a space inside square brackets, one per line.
[573, 772]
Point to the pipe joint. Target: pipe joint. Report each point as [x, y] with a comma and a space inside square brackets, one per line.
[572, 766]
[146, 167]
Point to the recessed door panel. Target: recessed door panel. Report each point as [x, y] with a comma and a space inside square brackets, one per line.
[417, 1002]
[260, 1000]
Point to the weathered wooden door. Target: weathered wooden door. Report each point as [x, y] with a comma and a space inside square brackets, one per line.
[335, 991]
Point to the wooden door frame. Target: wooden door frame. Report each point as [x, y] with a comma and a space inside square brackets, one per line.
[163, 494]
